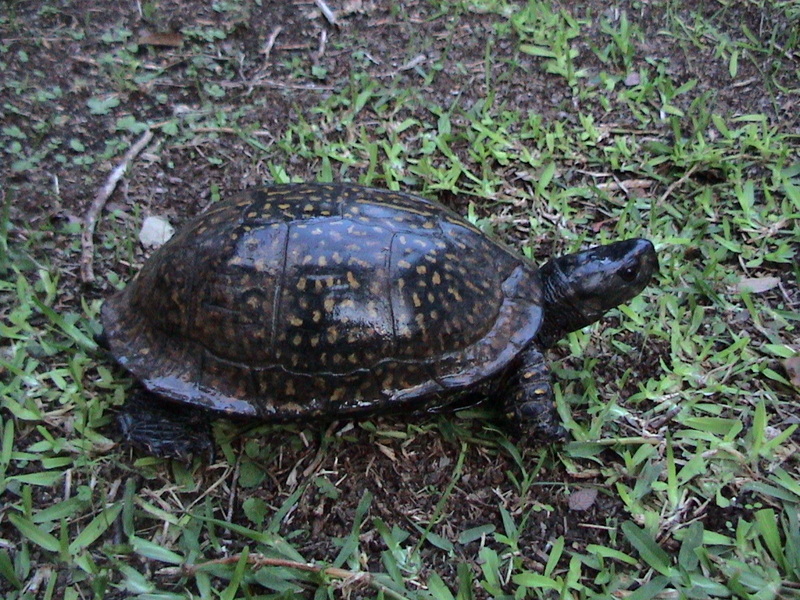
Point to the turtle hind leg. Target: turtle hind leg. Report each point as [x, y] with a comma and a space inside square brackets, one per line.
[530, 404]
[165, 429]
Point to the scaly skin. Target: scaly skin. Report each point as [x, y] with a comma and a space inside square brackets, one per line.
[578, 290]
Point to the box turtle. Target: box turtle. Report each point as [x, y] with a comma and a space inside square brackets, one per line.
[332, 300]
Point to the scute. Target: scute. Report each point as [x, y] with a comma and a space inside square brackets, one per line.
[320, 298]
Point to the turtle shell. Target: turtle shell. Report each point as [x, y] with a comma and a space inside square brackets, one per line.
[308, 299]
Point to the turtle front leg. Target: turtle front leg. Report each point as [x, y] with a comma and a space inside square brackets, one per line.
[165, 429]
[529, 402]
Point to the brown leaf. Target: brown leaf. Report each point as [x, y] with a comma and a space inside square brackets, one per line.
[756, 285]
[388, 452]
[582, 499]
[792, 366]
[172, 40]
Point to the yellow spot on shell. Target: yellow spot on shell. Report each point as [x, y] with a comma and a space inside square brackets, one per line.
[352, 281]
[329, 304]
[417, 301]
[422, 269]
[436, 278]
[296, 321]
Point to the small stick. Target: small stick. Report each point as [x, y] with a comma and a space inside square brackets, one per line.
[90, 221]
[323, 39]
[678, 183]
[329, 15]
[273, 83]
[259, 560]
[271, 43]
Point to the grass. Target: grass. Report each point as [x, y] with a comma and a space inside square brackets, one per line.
[683, 420]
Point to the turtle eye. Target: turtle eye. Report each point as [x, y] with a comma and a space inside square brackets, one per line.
[628, 273]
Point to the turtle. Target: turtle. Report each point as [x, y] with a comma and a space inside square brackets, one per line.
[334, 300]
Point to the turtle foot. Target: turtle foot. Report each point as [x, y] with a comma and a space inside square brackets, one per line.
[530, 407]
[538, 419]
[165, 429]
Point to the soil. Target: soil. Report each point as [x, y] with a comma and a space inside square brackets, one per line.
[404, 463]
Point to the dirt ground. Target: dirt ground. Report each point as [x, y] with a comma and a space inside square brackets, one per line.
[405, 463]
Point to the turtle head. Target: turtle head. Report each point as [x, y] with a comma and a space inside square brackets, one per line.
[580, 288]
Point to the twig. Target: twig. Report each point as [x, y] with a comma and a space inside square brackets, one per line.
[680, 182]
[271, 43]
[323, 41]
[625, 186]
[214, 130]
[407, 66]
[90, 221]
[259, 560]
[273, 83]
[231, 131]
[628, 441]
[329, 15]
